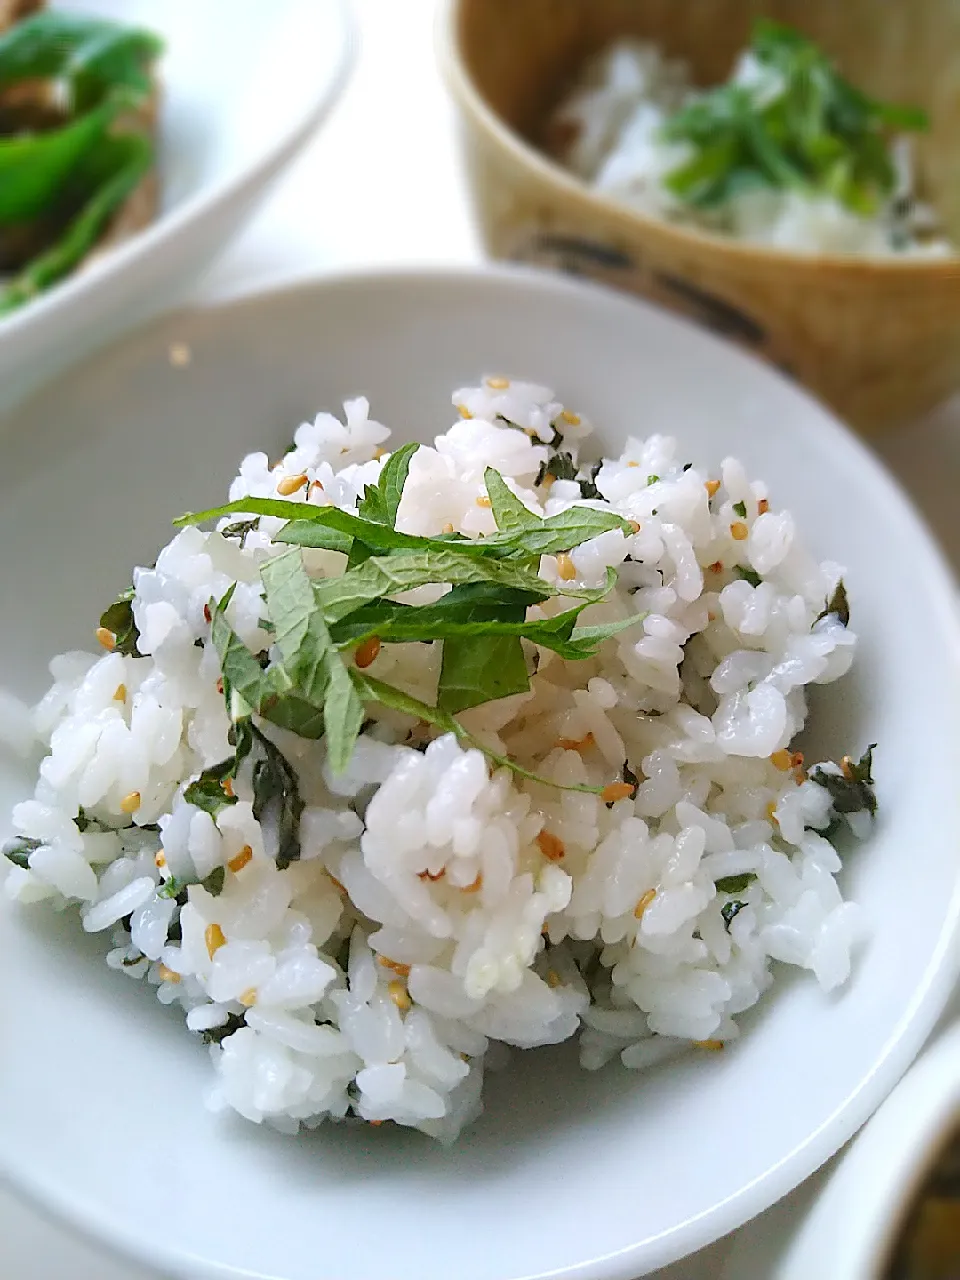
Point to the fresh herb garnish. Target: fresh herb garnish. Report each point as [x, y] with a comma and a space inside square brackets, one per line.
[851, 790]
[588, 487]
[208, 792]
[735, 884]
[806, 128]
[214, 1035]
[177, 888]
[838, 605]
[730, 910]
[559, 465]
[118, 620]
[481, 619]
[740, 509]
[747, 574]
[652, 480]
[241, 529]
[19, 849]
[275, 784]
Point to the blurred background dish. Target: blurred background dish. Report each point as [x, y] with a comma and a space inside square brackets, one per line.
[877, 337]
[239, 96]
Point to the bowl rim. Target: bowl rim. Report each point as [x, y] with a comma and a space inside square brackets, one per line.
[204, 204]
[919, 1015]
[464, 90]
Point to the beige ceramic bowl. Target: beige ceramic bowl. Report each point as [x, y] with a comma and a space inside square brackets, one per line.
[878, 338]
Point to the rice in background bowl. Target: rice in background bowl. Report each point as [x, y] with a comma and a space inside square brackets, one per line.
[878, 339]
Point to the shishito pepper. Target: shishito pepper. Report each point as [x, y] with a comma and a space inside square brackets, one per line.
[60, 185]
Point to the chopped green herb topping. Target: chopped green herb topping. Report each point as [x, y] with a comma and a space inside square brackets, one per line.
[729, 911]
[747, 574]
[837, 605]
[559, 465]
[19, 849]
[481, 620]
[207, 792]
[735, 884]
[118, 620]
[812, 130]
[241, 529]
[851, 790]
[740, 508]
[215, 1035]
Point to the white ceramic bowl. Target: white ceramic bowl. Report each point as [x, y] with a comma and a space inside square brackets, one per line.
[243, 85]
[568, 1174]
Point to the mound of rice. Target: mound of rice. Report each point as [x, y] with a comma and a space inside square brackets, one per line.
[436, 906]
[608, 132]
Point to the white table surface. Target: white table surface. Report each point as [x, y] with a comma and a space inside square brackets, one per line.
[381, 184]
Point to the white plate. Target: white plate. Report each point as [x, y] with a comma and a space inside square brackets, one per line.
[600, 1176]
[243, 85]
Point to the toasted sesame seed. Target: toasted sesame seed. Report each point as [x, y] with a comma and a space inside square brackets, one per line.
[576, 744]
[484, 501]
[498, 384]
[633, 464]
[248, 998]
[635, 525]
[716, 567]
[367, 652]
[380, 453]
[572, 418]
[782, 760]
[553, 978]
[714, 1046]
[475, 885]
[227, 787]
[566, 569]
[711, 616]
[240, 860]
[738, 531]
[130, 802]
[763, 506]
[160, 859]
[615, 791]
[463, 411]
[712, 487]
[550, 846]
[772, 813]
[106, 638]
[168, 975]
[179, 355]
[214, 939]
[399, 995]
[644, 902]
[120, 693]
[447, 528]
[290, 484]
[396, 965]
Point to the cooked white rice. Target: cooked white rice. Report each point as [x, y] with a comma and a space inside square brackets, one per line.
[608, 130]
[438, 907]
